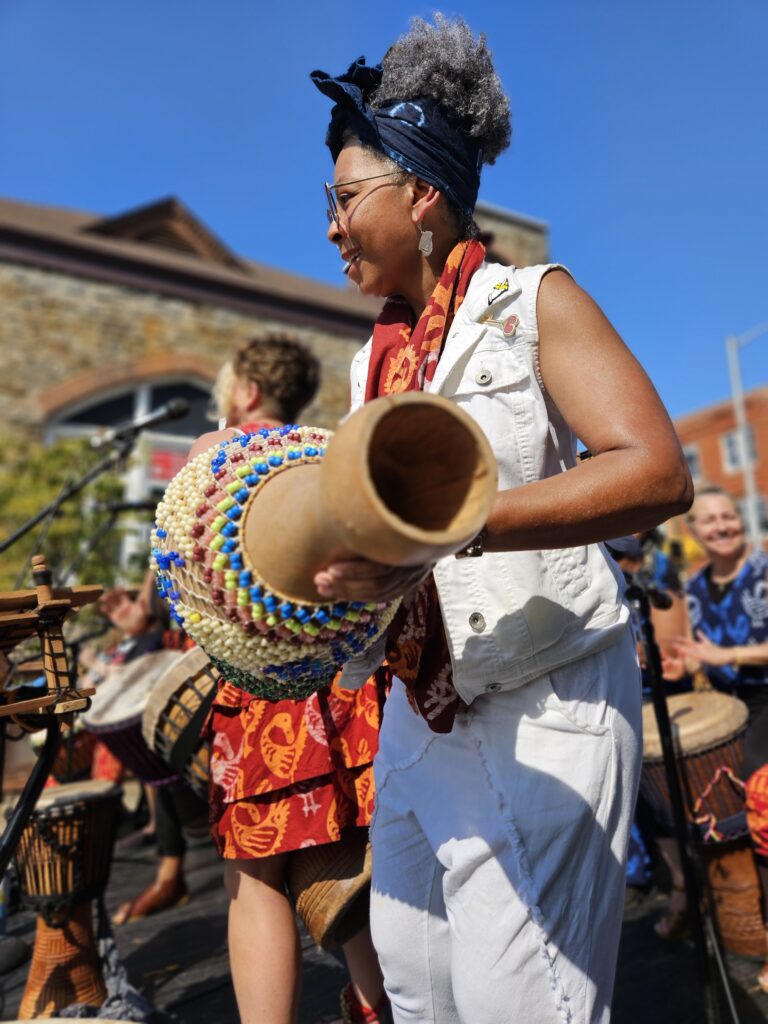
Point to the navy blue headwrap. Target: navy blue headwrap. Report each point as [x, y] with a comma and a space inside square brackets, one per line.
[418, 134]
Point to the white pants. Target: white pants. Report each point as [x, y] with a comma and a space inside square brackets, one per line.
[499, 849]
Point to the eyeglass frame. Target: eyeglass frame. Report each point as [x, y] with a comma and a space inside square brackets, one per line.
[332, 213]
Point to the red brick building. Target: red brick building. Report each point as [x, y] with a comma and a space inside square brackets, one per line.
[711, 446]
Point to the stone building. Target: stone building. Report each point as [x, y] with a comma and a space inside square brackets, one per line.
[106, 318]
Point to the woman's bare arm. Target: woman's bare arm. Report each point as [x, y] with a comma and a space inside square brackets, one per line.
[637, 477]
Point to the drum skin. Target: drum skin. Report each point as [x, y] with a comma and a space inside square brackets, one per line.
[117, 709]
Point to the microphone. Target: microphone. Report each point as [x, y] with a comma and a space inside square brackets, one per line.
[173, 410]
[125, 506]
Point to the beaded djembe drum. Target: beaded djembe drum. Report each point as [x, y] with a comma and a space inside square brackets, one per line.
[244, 528]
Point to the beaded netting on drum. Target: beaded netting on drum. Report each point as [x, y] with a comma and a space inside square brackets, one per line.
[268, 646]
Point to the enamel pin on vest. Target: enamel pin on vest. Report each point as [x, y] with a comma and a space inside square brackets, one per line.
[508, 326]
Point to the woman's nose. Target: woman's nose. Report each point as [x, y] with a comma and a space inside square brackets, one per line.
[334, 233]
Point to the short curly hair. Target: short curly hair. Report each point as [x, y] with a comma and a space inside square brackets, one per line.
[445, 61]
[287, 373]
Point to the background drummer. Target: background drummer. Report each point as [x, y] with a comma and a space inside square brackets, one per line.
[288, 774]
[728, 607]
[144, 627]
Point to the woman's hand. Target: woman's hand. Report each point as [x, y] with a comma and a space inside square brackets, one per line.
[704, 651]
[674, 667]
[361, 580]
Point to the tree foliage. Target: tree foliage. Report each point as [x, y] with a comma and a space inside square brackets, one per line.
[31, 476]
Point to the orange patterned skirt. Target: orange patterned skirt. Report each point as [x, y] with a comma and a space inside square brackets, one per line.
[293, 773]
[757, 810]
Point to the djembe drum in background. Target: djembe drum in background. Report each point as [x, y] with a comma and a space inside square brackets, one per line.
[708, 730]
[75, 755]
[175, 714]
[63, 860]
[117, 709]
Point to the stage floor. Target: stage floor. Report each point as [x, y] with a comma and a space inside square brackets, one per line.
[178, 959]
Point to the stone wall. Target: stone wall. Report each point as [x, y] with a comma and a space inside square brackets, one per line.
[57, 330]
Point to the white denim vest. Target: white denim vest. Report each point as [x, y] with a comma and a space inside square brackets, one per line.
[510, 617]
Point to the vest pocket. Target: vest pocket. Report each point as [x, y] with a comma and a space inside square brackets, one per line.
[491, 371]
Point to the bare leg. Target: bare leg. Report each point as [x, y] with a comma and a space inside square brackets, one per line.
[264, 948]
[673, 924]
[364, 970]
[151, 794]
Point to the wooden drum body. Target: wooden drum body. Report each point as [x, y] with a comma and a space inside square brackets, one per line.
[116, 713]
[708, 732]
[175, 714]
[330, 886]
[63, 860]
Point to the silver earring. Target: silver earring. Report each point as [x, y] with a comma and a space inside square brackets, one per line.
[425, 241]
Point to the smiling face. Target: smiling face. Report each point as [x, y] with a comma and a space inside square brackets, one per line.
[718, 527]
[377, 230]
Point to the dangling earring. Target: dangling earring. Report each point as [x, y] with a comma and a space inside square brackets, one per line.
[425, 240]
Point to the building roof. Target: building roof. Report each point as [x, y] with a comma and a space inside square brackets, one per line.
[163, 246]
[724, 409]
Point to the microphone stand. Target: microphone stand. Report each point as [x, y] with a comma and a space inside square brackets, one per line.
[640, 594]
[122, 448]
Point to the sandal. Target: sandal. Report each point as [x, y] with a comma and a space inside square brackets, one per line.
[156, 897]
[355, 1012]
[673, 923]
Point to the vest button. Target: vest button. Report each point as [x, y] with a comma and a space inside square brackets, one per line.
[493, 687]
[477, 622]
[484, 377]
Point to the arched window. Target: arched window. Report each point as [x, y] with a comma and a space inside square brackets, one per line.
[158, 454]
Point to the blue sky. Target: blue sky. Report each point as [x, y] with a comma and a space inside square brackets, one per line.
[640, 135]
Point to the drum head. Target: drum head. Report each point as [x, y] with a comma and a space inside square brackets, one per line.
[77, 792]
[700, 720]
[189, 665]
[123, 695]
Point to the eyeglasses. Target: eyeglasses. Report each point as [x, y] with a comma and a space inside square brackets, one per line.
[332, 213]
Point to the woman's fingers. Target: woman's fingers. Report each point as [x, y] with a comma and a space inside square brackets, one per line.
[362, 580]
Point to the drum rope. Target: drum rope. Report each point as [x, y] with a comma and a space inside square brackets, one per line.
[57, 911]
[709, 821]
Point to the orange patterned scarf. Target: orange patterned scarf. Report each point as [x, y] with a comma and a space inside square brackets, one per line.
[403, 358]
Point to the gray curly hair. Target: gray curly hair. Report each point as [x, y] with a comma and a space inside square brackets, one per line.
[446, 62]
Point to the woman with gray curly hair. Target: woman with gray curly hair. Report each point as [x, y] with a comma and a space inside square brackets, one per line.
[504, 803]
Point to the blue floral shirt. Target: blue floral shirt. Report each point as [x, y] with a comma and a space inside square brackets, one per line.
[736, 618]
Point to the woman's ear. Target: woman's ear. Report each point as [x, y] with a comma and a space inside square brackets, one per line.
[425, 198]
[253, 396]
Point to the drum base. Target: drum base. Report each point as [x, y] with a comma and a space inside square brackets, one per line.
[736, 896]
[65, 967]
[330, 887]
